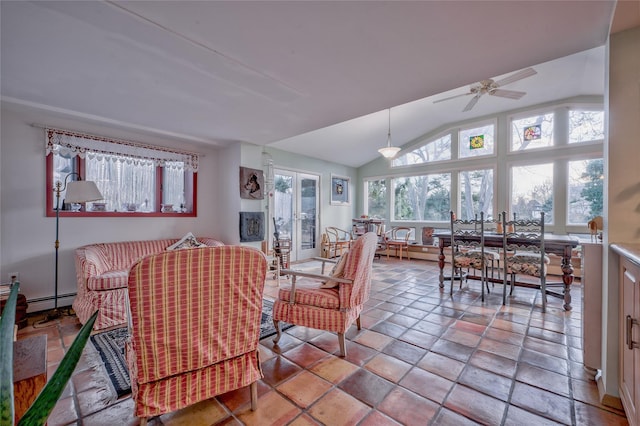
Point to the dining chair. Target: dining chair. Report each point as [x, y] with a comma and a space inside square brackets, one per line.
[468, 251]
[339, 240]
[329, 302]
[398, 239]
[523, 243]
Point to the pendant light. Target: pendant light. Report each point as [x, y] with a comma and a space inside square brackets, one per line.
[389, 151]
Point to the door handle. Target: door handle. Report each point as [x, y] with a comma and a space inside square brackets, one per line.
[629, 326]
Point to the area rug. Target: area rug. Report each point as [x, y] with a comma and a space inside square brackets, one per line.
[110, 346]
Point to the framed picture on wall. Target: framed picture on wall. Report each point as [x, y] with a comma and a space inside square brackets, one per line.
[251, 183]
[340, 191]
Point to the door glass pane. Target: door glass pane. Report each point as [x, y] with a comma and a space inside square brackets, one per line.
[308, 213]
[283, 205]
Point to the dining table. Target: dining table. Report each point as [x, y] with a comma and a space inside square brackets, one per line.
[561, 245]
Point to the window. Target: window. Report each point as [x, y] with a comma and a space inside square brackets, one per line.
[532, 191]
[476, 142]
[476, 193]
[586, 126]
[377, 198]
[532, 132]
[436, 150]
[585, 190]
[133, 178]
[426, 197]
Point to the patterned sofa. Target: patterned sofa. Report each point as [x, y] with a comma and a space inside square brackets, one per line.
[102, 271]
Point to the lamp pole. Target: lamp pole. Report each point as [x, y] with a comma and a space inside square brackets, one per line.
[59, 188]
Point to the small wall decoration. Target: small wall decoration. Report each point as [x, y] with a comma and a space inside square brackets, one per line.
[251, 226]
[533, 132]
[476, 142]
[340, 191]
[251, 183]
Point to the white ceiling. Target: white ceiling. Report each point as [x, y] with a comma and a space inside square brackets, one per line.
[284, 73]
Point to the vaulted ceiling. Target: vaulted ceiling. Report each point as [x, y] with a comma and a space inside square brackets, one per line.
[311, 77]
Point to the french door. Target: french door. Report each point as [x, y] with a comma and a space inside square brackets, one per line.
[295, 212]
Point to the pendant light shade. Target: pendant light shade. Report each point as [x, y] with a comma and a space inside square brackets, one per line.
[389, 151]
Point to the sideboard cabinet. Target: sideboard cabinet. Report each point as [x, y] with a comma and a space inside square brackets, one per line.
[629, 343]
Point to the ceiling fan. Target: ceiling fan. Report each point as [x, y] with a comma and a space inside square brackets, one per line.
[493, 88]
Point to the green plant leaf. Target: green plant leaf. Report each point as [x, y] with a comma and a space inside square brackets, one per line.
[39, 411]
[6, 356]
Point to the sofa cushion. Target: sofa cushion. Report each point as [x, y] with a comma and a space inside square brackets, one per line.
[188, 241]
[109, 280]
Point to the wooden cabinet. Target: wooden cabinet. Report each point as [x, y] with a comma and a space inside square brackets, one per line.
[629, 374]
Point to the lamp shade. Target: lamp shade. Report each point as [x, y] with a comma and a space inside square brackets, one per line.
[389, 151]
[81, 191]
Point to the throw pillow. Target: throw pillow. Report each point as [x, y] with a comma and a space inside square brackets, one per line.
[188, 241]
[336, 272]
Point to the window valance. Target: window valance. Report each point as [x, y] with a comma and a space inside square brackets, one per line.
[69, 143]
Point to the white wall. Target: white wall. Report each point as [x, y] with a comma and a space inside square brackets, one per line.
[622, 194]
[27, 236]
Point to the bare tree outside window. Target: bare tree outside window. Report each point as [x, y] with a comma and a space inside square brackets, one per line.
[426, 197]
[476, 193]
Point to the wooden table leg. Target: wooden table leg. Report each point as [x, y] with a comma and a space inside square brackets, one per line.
[567, 277]
[441, 263]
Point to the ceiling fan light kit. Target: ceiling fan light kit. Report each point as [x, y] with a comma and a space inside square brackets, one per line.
[389, 151]
[493, 88]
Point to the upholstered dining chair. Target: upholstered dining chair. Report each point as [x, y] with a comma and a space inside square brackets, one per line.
[398, 240]
[468, 251]
[330, 303]
[523, 242]
[339, 240]
[194, 326]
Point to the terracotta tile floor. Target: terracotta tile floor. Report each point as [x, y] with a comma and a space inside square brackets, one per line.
[421, 358]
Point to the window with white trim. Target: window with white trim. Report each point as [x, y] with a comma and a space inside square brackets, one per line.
[532, 191]
[476, 142]
[433, 151]
[426, 197]
[586, 180]
[585, 126]
[532, 132]
[476, 193]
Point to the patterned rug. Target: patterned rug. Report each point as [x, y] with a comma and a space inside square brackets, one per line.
[110, 346]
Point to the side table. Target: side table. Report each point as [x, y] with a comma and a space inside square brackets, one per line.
[21, 309]
[29, 371]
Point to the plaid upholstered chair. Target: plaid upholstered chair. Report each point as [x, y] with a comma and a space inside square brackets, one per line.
[333, 302]
[194, 326]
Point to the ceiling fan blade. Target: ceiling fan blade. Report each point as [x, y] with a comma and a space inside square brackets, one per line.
[452, 97]
[511, 94]
[472, 103]
[527, 72]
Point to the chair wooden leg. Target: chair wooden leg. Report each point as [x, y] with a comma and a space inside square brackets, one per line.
[358, 324]
[143, 421]
[276, 324]
[253, 387]
[343, 346]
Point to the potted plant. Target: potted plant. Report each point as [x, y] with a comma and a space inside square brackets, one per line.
[39, 411]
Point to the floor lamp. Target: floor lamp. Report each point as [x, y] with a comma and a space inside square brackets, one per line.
[77, 191]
